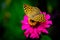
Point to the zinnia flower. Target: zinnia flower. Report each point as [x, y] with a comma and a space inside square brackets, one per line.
[35, 31]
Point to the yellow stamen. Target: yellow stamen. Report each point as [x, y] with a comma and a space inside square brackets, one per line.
[31, 22]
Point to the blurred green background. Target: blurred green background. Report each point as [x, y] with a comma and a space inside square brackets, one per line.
[11, 14]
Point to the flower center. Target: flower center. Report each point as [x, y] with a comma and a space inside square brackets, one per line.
[33, 23]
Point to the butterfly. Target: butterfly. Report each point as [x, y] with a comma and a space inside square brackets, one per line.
[33, 13]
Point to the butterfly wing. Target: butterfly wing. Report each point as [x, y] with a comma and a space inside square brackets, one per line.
[33, 13]
[39, 18]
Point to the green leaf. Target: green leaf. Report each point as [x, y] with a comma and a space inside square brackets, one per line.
[45, 37]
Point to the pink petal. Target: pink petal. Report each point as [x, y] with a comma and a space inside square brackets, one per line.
[24, 27]
[44, 13]
[45, 31]
[48, 22]
[24, 22]
[26, 33]
[35, 30]
[46, 26]
[47, 16]
[31, 30]
[25, 17]
[34, 35]
[39, 30]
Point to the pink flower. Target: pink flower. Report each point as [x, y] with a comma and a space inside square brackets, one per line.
[36, 31]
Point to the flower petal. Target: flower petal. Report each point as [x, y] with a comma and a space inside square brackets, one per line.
[25, 17]
[47, 16]
[26, 33]
[39, 30]
[24, 27]
[24, 22]
[45, 31]
[33, 35]
[31, 30]
[49, 22]
[47, 26]
[44, 13]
